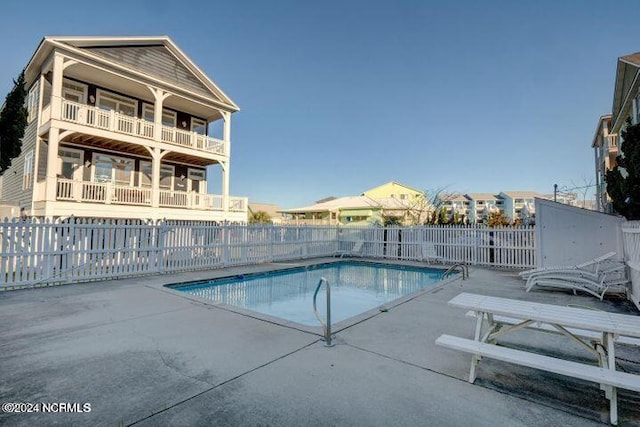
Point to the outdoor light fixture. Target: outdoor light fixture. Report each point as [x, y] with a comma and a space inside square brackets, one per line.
[87, 163]
[92, 99]
[184, 124]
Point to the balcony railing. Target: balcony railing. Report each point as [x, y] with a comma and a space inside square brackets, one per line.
[109, 193]
[121, 123]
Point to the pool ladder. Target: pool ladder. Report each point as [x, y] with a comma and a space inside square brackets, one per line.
[463, 267]
[325, 326]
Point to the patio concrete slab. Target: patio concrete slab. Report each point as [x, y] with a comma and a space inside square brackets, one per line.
[347, 386]
[144, 356]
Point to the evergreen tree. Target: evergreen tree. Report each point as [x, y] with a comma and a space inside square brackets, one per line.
[623, 181]
[13, 120]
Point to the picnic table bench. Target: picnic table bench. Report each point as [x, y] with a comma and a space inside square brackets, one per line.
[595, 331]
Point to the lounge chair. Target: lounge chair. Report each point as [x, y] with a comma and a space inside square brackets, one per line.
[593, 265]
[355, 251]
[595, 278]
[428, 251]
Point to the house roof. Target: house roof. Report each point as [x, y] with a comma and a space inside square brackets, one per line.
[627, 81]
[521, 194]
[352, 202]
[482, 196]
[155, 57]
[392, 183]
[452, 197]
[603, 119]
[272, 209]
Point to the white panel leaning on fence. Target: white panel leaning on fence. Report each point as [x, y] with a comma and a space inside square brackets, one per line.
[43, 252]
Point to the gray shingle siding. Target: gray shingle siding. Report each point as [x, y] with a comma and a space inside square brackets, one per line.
[12, 191]
[155, 61]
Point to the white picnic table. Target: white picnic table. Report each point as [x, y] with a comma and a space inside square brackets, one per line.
[565, 320]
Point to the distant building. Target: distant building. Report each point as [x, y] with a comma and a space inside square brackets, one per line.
[605, 150]
[482, 204]
[518, 204]
[456, 205]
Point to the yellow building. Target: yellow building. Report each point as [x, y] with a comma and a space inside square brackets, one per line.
[394, 190]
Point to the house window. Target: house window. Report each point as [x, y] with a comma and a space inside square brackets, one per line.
[167, 174]
[117, 103]
[196, 180]
[169, 118]
[109, 168]
[198, 126]
[27, 172]
[32, 102]
[75, 92]
[404, 196]
[70, 163]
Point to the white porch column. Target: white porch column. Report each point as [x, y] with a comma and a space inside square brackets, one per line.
[226, 136]
[225, 186]
[226, 132]
[52, 170]
[155, 177]
[56, 86]
[159, 96]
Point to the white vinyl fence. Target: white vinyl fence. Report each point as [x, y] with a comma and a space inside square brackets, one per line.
[38, 253]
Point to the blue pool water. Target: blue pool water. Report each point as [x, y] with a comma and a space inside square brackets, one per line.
[355, 288]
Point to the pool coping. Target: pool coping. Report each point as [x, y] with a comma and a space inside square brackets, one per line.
[315, 330]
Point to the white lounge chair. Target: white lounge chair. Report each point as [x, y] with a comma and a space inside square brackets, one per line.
[355, 251]
[593, 266]
[612, 277]
[428, 251]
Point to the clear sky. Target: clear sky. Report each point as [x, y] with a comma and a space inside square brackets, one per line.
[337, 97]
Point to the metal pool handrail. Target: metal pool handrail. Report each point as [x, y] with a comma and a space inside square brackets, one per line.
[462, 267]
[326, 326]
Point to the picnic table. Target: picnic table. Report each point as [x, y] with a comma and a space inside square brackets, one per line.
[596, 331]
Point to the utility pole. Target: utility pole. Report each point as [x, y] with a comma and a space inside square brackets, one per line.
[555, 192]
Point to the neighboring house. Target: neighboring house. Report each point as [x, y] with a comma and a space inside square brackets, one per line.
[341, 210]
[518, 204]
[119, 127]
[626, 95]
[388, 200]
[481, 205]
[605, 148]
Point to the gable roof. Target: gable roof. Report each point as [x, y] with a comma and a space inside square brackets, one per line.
[627, 82]
[392, 183]
[155, 56]
[601, 122]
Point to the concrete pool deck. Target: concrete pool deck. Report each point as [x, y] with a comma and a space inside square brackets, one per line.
[143, 356]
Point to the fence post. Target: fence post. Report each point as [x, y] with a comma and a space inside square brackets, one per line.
[161, 232]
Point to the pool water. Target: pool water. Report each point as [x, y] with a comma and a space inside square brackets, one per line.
[356, 287]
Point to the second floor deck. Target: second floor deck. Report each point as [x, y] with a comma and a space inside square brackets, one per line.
[109, 120]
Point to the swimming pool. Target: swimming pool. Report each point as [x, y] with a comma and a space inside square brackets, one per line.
[356, 287]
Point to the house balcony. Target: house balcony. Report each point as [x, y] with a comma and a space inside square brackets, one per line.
[107, 193]
[109, 120]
